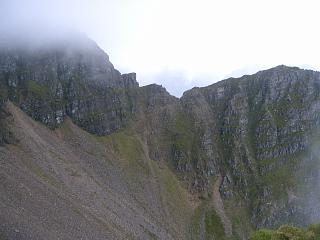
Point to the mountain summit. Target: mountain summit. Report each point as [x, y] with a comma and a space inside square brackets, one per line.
[88, 154]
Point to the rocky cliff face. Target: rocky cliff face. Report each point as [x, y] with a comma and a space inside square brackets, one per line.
[258, 135]
[74, 79]
[256, 132]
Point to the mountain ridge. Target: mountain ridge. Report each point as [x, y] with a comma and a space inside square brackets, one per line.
[252, 132]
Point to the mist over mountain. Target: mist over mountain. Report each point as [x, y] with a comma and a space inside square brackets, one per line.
[205, 41]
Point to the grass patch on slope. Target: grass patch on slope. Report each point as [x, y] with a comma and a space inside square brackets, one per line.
[184, 144]
[287, 232]
[213, 226]
[206, 223]
[37, 89]
[239, 216]
[130, 152]
[143, 173]
[175, 197]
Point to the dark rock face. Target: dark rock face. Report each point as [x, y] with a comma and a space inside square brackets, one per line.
[73, 79]
[258, 132]
[5, 135]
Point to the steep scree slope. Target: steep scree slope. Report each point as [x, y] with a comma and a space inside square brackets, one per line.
[69, 184]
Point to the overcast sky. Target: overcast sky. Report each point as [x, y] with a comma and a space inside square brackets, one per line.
[181, 43]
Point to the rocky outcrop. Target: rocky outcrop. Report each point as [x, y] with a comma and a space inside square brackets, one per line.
[74, 79]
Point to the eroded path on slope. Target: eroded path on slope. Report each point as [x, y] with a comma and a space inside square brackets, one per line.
[219, 208]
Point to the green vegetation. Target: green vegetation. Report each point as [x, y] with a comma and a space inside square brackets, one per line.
[206, 223]
[172, 193]
[239, 216]
[196, 221]
[184, 134]
[281, 174]
[288, 233]
[130, 150]
[315, 228]
[141, 171]
[263, 234]
[213, 226]
[185, 145]
[37, 89]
